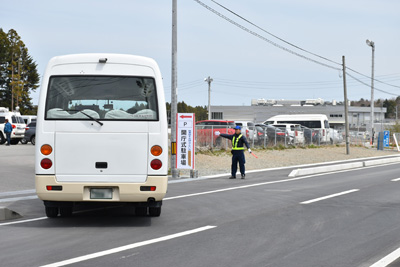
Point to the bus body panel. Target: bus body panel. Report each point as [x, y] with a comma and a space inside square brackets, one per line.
[79, 144]
[80, 192]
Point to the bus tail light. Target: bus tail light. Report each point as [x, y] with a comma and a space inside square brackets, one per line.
[54, 188]
[156, 150]
[156, 164]
[148, 188]
[46, 150]
[46, 164]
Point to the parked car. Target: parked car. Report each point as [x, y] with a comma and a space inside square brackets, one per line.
[248, 128]
[30, 134]
[18, 125]
[205, 131]
[294, 130]
[270, 134]
[335, 136]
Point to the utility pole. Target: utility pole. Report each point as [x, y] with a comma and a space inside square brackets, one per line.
[346, 109]
[174, 78]
[209, 80]
[372, 45]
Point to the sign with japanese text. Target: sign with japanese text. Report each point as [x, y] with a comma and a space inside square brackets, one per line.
[185, 133]
[386, 138]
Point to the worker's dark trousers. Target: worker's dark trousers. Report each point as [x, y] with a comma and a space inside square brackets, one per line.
[238, 156]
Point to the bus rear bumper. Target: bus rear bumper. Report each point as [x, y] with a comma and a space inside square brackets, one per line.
[81, 192]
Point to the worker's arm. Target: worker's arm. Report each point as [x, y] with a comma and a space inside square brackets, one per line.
[228, 136]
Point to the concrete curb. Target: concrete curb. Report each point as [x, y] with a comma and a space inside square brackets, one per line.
[340, 167]
[331, 168]
[7, 214]
[380, 161]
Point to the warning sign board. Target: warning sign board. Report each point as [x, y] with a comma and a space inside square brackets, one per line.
[185, 134]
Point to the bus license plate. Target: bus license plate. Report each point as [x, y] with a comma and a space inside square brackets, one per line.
[101, 193]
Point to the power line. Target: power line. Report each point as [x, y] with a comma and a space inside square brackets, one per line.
[279, 46]
[264, 38]
[258, 27]
[380, 90]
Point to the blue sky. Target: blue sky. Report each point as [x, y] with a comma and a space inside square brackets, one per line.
[243, 66]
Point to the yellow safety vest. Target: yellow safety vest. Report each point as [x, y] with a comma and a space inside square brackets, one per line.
[235, 143]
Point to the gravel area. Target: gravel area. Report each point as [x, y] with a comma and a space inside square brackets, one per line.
[220, 162]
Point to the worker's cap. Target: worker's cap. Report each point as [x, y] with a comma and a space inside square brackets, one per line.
[237, 127]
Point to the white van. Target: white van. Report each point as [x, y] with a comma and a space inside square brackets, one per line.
[18, 125]
[313, 121]
[29, 118]
[102, 133]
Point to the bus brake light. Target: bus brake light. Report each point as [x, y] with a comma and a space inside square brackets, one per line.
[46, 164]
[156, 164]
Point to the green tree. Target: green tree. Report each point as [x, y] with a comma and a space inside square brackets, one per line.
[18, 73]
[200, 112]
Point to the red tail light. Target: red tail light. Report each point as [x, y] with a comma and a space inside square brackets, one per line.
[156, 164]
[27, 128]
[280, 133]
[46, 164]
[13, 126]
[323, 132]
[296, 133]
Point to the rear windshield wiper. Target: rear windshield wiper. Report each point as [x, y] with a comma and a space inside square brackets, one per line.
[87, 115]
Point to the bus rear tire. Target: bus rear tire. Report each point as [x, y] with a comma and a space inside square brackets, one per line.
[51, 212]
[141, 211]
[155, 211]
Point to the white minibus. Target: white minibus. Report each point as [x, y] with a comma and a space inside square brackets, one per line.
[102, 134]
[313, 121]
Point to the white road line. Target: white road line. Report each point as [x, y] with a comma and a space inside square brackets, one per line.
[24, 221]
[127, 247]
[15, 193]
[388, 259]
[330, 196]
[395, 180]
[12, 199]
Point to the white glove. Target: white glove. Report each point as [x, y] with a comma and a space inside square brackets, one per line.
[217, 133]
[249, 150]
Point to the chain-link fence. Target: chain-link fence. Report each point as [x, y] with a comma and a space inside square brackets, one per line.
[264, 136]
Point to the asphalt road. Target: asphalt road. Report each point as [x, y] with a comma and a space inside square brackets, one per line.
[346, 218]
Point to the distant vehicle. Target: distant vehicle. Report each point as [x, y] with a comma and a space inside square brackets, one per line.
[335, 136]
[18, 125]
[29, 118]
[310, 135]
[102, 134]
[272, 135]
[205, 131]
[294, 130]
[312, 121]
[248, 128]
[30, 134]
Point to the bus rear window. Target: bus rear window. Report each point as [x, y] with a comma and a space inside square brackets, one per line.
[101, 97]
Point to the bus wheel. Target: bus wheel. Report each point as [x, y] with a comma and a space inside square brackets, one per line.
[141, 211]
[66, 211]
[154, 211]
[51, 212]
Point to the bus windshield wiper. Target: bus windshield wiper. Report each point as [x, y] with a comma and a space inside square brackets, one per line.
[87, 115]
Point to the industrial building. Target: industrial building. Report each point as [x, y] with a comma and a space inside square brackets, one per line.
[261, 110]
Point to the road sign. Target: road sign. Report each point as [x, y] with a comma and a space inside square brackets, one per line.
[386, 137]
[185, 134]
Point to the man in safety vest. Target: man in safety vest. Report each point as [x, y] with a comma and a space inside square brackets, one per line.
[237, 150]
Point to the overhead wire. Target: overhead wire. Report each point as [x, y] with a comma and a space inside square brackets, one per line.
[284, 48]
